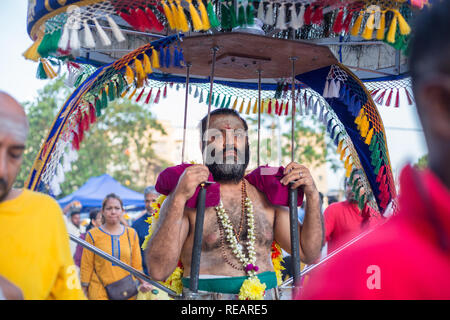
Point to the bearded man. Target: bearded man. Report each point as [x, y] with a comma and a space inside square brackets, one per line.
[243, 215]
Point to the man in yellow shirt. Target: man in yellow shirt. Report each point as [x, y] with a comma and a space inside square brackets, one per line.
[34, 243]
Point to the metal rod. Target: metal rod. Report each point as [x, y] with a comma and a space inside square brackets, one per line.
[188, 68]
[198, 237]
[293, 213]
[121, 264]
[259, 116]
[211, 84]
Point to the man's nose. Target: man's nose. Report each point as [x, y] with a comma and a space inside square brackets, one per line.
[230, 138]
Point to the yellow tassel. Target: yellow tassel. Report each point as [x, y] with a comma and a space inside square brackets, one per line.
[343, 153]
[381, 30]
[248, 107]
[147, 65]
[369, 137]
[31, 53]
[357, 25]
[241, 108]
[392, 30]
[48, 69]
[359, 117]
[139, 68]
[364, 126]
[204, 15]
[262, 106]
[255, 106]
[348, 170]
[169, 15]
[155, 59]
[339, 147]
[124, 93]
[234, 104]
[129, 75]
[174, 10]
[368, 30]
[182, 20]
[195, 17]
[132, 94]
[402, 24]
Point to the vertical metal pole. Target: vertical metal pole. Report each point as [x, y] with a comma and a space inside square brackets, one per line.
[200, 216]
[259, 116]
[293, 213]
[188, 68]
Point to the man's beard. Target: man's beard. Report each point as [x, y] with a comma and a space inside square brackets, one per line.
[231, 172]
[3, 190]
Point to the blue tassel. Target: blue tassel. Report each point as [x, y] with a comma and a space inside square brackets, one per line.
[329, 125]
[333, 131]
[356, 108]
[181, 58]
[168, 57]
[336, 140]
[196, 92]
[176, 61]
[343, 92]
[161, 56]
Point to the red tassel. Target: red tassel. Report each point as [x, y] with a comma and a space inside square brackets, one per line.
[160, 9]
[75, 141]
[397, 99]
[286, 108]
[141, 20]
[408, 96]
[381, 97]
[388, 101]
[80, 131]
[308, 14]
[140, 95]
[338, 22]
[128, 18]
[317, 17]
[165, 91]
[280, 110]
[158, 94]
[85, 121]
[380, 173]
[92, 115]
[269, 107]
[347, 21]
[157, 26]
[277, 107]
[373, 93]
[149, 96]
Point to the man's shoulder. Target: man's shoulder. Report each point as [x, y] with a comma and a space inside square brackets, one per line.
[45, 201]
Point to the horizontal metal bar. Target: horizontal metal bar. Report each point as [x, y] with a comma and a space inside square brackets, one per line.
[123, 265]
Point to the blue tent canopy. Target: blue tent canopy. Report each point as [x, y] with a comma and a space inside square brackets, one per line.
[92, 193]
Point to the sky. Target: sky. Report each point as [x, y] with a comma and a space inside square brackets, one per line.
[405, 138]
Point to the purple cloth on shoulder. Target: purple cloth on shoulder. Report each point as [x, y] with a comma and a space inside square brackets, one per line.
[266, 179]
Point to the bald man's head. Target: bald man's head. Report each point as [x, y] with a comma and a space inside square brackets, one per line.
[13, 135]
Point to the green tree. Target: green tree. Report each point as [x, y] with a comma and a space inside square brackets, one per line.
[119, 143]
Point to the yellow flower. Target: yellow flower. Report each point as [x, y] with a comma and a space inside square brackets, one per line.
[152, 219]
[252, 289]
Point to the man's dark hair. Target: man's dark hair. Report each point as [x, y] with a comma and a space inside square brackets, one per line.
[221, 111]
[430, 42]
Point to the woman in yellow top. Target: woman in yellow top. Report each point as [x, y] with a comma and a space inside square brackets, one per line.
[113, 238]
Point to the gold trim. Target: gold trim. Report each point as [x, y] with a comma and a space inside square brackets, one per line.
[48, 6]
[49, 15]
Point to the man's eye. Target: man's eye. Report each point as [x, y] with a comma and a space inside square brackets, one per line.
[16, 155]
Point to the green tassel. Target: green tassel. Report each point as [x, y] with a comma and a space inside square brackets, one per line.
[213, 20]
[378, 166]
[98, 107]
[234, 20]
[228, 102]
[226, 17]
[361, 202]
[250, 14]
[49, 43]
[373, 143]
[111, 91]
[217, 101]
[40, 74]
[241, 16]
[104, 99]
[223, 103]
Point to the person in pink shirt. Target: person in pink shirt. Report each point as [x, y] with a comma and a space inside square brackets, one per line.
[344, 220]
[408, 257]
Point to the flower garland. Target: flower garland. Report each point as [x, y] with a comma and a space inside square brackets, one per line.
[250, 289]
